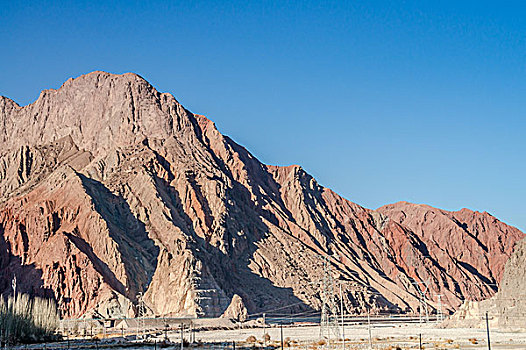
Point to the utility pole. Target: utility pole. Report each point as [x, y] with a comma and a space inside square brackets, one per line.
[264, 330]
[487, 330]
[342, 312]
[281, 331]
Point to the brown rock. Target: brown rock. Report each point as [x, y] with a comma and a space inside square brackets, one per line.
[236, 310]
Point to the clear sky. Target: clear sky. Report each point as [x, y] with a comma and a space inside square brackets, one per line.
[382, 101]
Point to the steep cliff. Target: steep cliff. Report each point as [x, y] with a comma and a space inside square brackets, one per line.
[507, 308]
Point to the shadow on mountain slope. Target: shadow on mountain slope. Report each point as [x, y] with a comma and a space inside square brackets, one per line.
[28, 277]
[241, 230]
[138, 250]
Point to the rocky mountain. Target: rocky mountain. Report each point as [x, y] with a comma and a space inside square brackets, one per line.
[507, 308]
[111, 192]
[511, 298]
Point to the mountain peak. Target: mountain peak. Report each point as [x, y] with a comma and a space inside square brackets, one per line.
[96, 77]
[100, 110]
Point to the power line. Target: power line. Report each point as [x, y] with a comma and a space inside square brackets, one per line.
[279, 308]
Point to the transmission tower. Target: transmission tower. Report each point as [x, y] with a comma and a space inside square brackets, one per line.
[141, 313]
[440, 315]
[329, 313]
[422, 299]
[200, 293]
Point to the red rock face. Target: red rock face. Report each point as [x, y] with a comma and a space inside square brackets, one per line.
[506, 308]
[109, 189]
[471, 248]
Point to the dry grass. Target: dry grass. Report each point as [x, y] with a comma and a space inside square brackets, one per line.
[251, 339]
[286, 342]
[27, 320]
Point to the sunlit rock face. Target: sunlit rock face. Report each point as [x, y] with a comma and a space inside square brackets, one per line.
[110, 190]
[506, 308]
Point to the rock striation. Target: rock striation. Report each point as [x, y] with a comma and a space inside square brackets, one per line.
[507, 308]
[112, 192]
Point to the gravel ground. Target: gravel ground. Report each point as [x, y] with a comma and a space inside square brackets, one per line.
[382, 335]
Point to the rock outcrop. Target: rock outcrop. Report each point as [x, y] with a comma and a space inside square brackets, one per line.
[507, 308]
[236, 311]
[110, 190]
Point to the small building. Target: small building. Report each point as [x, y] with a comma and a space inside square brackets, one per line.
[108, 323]
[153, 323]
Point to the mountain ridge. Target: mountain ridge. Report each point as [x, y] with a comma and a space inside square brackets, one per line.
[136, 194]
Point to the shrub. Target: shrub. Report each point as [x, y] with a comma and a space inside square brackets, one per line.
[266, 337]
[251, 339]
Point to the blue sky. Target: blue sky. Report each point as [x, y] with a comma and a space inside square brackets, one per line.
[382, 101]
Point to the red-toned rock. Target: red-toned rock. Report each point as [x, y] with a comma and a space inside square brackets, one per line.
[471, 247]
[506, 309]
[109, 189]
